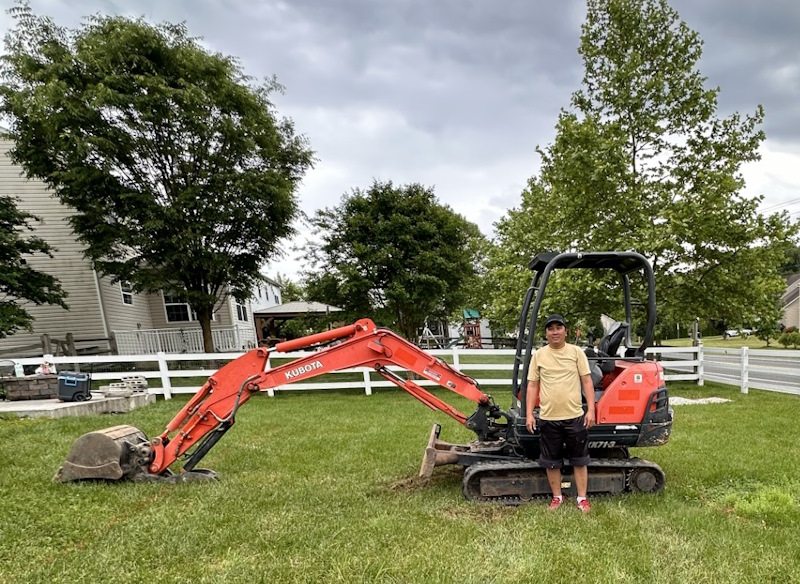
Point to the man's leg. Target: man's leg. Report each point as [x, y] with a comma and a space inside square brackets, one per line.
[552, 456]
[554, 478]
[581, 479]
[577, 443]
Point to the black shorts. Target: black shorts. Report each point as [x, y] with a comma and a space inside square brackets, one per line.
[562, 439]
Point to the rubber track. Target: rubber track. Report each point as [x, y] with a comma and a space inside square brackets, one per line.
[473, 473]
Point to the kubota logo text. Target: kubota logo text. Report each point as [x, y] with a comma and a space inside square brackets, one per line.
[303, 369]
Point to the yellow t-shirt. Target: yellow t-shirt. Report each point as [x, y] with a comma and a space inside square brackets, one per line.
[559, 374]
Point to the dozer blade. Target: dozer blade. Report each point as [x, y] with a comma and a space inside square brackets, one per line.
[119, 452]
[438, 453]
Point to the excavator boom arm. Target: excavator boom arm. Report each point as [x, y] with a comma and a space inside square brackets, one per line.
[213, 407]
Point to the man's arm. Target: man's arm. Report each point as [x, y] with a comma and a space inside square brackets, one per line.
[588, 392]
[532, 396]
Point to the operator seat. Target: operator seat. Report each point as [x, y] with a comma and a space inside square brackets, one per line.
[610, 343]
[602, 358]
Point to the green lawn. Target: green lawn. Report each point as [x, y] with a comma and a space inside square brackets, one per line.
[318, 487]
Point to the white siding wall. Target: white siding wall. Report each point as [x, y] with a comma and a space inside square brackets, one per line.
[267, 294]
[68, 265]
[222, 314]
[121, 316]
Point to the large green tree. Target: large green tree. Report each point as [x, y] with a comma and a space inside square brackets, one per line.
[393, 253]
[182, 174]
[19, 283]
[641, 161]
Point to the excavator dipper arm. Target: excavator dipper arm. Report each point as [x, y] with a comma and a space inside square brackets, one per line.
[211, 411]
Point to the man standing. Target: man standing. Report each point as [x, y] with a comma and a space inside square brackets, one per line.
[556, 375]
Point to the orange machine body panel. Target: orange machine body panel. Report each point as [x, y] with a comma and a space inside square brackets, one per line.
[628, 390]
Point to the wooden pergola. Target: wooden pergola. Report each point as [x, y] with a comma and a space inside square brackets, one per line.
[269, 321]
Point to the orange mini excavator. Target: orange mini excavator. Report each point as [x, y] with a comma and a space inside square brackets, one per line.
[632, 404]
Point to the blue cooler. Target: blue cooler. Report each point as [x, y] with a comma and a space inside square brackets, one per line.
[74, 386]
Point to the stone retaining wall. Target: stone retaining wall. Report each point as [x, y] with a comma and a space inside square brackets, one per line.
[31, 387]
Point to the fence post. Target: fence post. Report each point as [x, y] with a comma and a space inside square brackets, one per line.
[164, 370]
[745, 369]
[267, 367]
[456, 362]
[367, 382]
[112, 343]
[47, 348]
[69, 342]
[699, 368]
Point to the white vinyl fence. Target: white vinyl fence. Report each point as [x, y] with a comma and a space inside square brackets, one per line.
[167, 367]
[770, 370]
[679, 363]
[777, 370]
[767, 370]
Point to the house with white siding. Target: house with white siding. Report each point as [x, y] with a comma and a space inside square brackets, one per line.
[105, 316]
[266, 295]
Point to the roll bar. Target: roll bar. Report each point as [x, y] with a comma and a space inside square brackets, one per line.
[544, 264]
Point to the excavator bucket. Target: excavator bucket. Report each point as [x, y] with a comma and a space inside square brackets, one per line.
[119, 452]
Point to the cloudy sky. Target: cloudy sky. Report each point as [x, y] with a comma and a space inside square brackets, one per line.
[457, 94]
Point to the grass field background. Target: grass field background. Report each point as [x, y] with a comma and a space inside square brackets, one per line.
[319, 487]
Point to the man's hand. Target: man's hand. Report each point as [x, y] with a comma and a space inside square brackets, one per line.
[588, 419]
[530, 423]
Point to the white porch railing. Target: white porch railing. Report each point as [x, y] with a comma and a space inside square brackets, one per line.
[188, 340]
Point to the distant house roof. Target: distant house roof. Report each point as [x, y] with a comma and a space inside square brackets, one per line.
[298, 308]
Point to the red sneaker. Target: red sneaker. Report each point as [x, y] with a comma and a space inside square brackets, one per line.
[556, 503]
[584, 506]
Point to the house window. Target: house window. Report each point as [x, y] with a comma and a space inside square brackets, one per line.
[127, 292]
[178, 311]
[277, 298]
[241, 312]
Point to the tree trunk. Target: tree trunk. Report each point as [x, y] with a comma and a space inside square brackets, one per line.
[204, 316]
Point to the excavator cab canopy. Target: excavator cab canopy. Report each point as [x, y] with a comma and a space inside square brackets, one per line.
[543, 265]
[621, 262]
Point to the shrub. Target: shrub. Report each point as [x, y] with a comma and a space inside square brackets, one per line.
[787, 339]
[795, 339]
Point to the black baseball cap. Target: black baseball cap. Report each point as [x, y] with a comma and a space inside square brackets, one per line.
[555, 318]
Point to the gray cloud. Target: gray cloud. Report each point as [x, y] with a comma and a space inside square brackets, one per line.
[752, 52]
[458, 93]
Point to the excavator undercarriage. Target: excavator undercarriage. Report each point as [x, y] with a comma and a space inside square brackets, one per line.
[492, 477]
